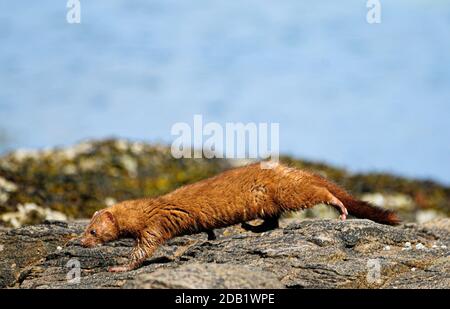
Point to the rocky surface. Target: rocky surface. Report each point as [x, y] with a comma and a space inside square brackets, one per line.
[300, 254]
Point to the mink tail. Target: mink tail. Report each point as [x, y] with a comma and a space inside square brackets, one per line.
[365, 210]
[362, 209]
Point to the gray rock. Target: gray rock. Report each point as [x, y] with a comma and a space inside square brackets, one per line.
[207, 275]
[300, 254]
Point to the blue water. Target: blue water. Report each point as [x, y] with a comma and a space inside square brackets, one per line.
[365, 97]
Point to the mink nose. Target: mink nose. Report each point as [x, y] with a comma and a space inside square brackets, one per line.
[84, 242]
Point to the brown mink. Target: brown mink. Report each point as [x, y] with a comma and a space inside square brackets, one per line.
[234, 196]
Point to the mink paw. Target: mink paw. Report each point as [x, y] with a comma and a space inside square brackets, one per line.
[119, 269]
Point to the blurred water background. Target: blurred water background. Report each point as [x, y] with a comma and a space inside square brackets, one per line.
[361, 96]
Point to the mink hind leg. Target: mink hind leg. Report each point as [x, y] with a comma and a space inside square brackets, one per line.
[323, 196]
[268, 224]
[211, 234]
[298, 199]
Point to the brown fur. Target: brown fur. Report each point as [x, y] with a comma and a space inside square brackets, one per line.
[232, 197]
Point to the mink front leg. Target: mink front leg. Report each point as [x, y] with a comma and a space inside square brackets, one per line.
[142, 250]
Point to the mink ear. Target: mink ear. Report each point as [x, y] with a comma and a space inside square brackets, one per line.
[110, 216]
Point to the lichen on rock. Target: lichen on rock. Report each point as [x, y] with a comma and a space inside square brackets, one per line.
[78, 180]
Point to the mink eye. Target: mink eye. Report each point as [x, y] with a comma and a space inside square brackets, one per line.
[93, 232]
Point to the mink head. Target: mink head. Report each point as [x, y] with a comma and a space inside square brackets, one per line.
[102, 228]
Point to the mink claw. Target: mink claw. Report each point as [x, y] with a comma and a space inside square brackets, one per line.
[118, 269]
